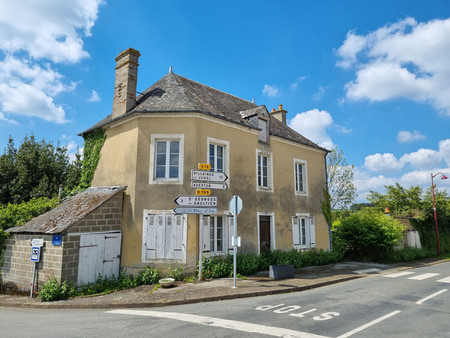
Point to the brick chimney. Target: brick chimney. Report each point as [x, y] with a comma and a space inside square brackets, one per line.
[125, 82]
[279, 114]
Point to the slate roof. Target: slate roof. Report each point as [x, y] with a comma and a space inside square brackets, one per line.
[175, 93]
[69, 212]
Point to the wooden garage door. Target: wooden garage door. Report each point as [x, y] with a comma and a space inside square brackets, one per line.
[99, 254]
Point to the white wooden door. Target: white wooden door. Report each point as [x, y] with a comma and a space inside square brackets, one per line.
[98, 254]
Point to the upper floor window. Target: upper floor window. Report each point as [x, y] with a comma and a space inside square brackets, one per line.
[166, 155]
[300, 177]
[218, 155]
[264, 170]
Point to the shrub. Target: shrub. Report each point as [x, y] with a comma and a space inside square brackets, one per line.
[176, 273]
[367, 234]
[407, 254]
[148, 276]
[53, 290]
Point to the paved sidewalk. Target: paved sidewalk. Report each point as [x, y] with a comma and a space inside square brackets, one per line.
[217, 289]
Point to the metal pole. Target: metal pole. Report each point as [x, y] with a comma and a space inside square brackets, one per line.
[32, 280]
[200, 248]
[235, 243]
[435, 217]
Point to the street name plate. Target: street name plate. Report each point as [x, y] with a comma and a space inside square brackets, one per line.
[198, 211]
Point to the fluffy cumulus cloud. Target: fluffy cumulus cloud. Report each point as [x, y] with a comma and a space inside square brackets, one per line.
[405, 59]
[405, 136]
[271, 91]
[313, 125]
[382, 163]
[35, 36]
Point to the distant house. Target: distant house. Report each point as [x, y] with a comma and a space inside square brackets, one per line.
[155, 140]
[81, 239]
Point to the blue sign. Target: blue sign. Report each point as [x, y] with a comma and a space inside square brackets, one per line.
[57, 240]
[35, 253]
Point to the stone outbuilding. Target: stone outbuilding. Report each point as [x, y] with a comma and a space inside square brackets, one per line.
[81, 239]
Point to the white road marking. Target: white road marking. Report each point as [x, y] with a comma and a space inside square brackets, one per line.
[373, 322]
[444, 280]
[223, 323]
[424, 276]
[423, 300]
[398, 274]
[367, 271]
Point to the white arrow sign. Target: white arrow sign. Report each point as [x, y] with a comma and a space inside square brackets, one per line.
[205, 185]
[199, 211]
[210, 176]
[196, 201]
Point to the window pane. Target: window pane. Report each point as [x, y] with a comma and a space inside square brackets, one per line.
[303, 231]
[219, 163]
[211, 156]
[219, 234]
[174, 147]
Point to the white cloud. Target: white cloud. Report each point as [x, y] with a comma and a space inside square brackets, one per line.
[313, 125]
[94, 96]
[5, 119]
[319, 94]
[296, 82]
[405, 136]
[271, 91]
[34, 36]
[422, 159]
[401, 60]
[382, 163]
[444, 151]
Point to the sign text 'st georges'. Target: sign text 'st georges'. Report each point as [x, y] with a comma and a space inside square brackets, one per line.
[197, 201]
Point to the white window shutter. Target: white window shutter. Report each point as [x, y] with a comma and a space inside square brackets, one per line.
[178, 232]
[230, 231]
[295, 231]
[312, 231]
[206, 234]
[150, 240]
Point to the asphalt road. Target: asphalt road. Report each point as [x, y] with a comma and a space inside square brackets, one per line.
[404, 303]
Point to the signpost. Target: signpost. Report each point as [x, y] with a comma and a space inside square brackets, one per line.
[36, 245]
[207, 185]
[202, 204]
[198, 211]
[209, 176]
[196, 201]
[235, 207]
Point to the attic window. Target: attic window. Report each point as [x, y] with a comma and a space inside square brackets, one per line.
[263, 133]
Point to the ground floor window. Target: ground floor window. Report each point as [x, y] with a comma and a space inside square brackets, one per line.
[303, 231]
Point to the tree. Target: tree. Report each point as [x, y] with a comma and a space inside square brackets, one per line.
[400, 201]
[36, 169]
[340, 180]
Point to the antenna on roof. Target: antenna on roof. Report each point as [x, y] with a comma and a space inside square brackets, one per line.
[170, 69]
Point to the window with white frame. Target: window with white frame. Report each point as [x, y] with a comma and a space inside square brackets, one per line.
[218, 155]
[264, 171]
[166, 156]
[214, 234]
[303, 232]
[300, 181]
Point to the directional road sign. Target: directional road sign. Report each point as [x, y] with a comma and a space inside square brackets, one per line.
[198, 211]
[196, 201]
[210, 176]
[207, 185]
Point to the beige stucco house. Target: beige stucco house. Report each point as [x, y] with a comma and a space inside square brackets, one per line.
[155, 140]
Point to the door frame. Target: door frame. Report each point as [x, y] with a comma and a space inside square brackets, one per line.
[272, 230]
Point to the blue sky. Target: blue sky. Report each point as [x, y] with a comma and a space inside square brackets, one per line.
[371, 77]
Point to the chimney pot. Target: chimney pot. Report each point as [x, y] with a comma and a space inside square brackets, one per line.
[279, 114]
[280, 107]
